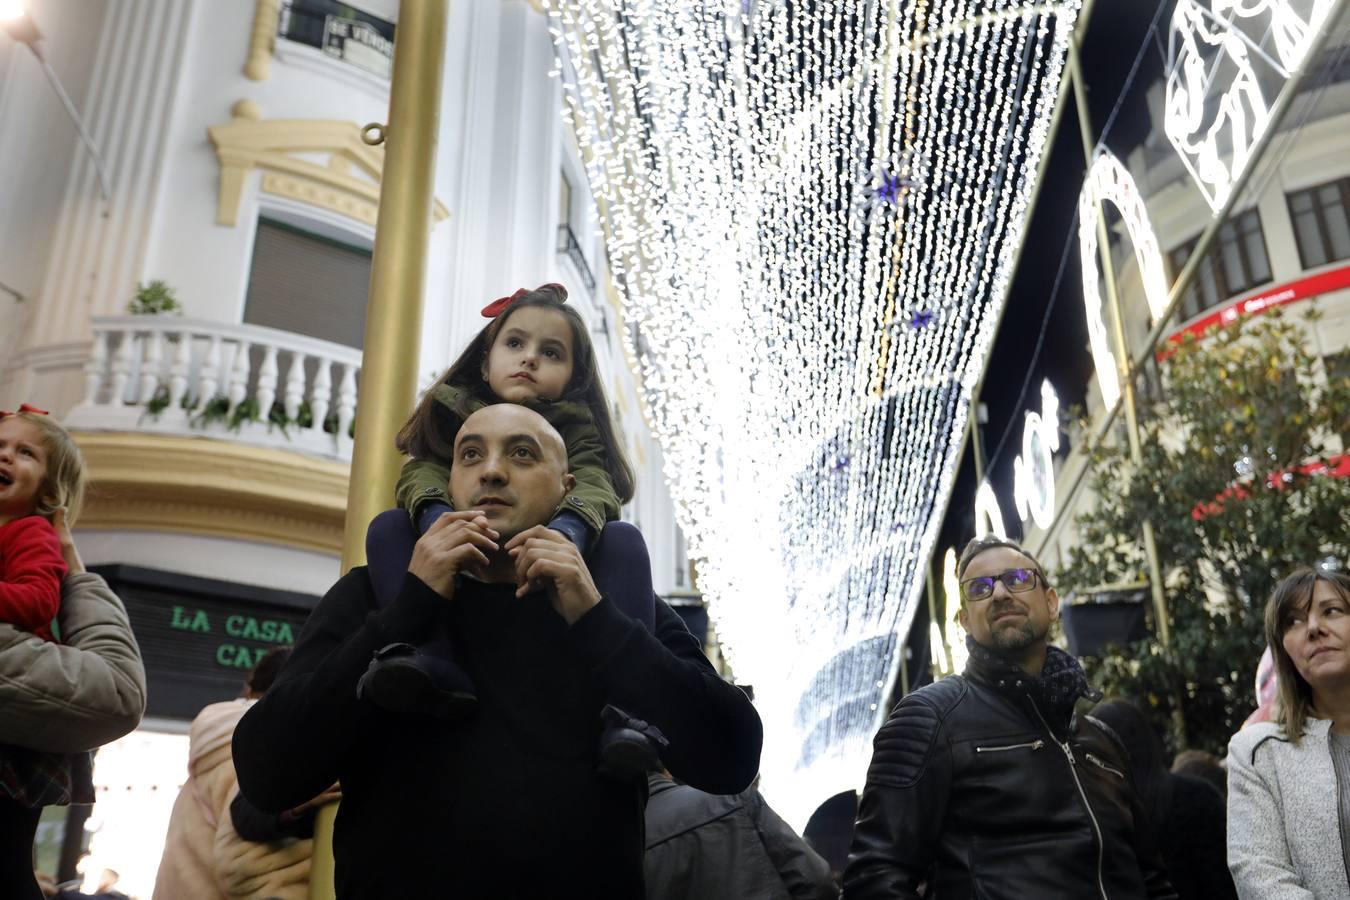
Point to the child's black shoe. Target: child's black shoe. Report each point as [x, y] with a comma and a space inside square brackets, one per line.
[401, 679]
[629, 747]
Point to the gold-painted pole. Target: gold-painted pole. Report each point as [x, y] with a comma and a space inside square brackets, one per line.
[398, 267]
[394, 311]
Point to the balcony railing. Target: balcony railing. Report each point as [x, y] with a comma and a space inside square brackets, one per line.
[239, 382]
[569, 245]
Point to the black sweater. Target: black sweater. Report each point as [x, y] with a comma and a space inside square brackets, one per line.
[507, 804]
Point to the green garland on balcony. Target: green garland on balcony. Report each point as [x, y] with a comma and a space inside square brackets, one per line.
[216, 411]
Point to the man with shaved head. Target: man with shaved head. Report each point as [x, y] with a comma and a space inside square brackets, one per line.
[506, 803]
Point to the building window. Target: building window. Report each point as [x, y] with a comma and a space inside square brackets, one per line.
[564, 199]
[306, 284]
[1236, 263]
[568, 245]
[1322, 222]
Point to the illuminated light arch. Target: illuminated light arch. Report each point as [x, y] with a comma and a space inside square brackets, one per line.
[1108, 180]
[1291, 32]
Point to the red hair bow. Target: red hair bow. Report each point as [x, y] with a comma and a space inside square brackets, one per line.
[498, 306]
[25, 408]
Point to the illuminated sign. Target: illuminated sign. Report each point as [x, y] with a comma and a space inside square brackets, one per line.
[988, 516]
[1033, 473]
[1268, 298]
[1034, 470]
[1215, 108]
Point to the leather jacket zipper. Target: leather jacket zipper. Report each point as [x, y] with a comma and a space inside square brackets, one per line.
[1073, 770]
[1107, 766]
[1029, 745]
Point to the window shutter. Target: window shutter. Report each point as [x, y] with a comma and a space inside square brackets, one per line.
[308, 285]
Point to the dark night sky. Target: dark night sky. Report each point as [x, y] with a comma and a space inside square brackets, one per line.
[1115, 32]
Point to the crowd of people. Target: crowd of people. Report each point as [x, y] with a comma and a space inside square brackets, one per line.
[499, 702]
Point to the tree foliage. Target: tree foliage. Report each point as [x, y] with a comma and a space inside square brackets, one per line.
[1233, 479]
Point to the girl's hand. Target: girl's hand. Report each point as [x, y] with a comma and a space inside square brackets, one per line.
[456, 542]
[545, 557]
[68, 551]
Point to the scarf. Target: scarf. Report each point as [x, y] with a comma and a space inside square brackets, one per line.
[1059, 686]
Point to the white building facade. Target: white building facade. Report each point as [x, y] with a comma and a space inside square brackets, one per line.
[218, 438]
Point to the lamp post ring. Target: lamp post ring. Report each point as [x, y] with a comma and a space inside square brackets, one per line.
[373, 134]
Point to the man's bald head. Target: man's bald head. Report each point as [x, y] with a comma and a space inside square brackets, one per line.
[511, 464]
[513, 416]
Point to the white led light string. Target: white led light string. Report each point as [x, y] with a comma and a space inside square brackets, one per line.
[796, 229]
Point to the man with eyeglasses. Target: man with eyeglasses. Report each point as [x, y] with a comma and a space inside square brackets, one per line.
[987, 784]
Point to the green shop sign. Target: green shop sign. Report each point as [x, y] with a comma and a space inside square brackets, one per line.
[230, 654]
[199, 636]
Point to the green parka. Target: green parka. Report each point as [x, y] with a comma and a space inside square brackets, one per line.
[424, 481]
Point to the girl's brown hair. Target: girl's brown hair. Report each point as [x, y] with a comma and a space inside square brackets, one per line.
[1292, 595]
[430, 431]
[63, 484]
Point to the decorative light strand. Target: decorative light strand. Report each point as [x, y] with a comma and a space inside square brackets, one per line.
[811, 212]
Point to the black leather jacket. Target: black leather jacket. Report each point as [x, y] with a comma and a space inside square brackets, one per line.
[974, 791]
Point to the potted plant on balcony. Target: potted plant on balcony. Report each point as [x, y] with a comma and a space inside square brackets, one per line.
[154, 299]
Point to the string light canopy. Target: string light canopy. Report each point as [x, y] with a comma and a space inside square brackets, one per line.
[811, 209]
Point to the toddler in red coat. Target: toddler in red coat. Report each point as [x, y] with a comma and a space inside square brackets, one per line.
[41, 476]
[40, 472]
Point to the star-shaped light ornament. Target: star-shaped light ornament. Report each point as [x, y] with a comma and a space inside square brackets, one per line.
[895, 184]
[915, 321]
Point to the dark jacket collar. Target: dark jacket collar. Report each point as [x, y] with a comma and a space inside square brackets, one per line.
[1061, 684]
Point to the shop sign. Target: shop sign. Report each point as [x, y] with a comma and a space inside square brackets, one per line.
[230, 653]
[358, 43]
[198, 636]
[1270, 298]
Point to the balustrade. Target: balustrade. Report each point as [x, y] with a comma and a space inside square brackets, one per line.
[176, 375]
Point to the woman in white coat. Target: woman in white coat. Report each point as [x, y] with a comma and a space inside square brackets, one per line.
[1289, 779]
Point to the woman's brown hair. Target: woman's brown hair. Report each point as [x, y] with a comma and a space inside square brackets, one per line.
[430, 431]
[1292, 595]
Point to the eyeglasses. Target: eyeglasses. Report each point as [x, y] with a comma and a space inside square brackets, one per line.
[1017, 581]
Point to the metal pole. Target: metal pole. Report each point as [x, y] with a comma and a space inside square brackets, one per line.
[1122, 349]
[1188, 272]
[394, 312]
